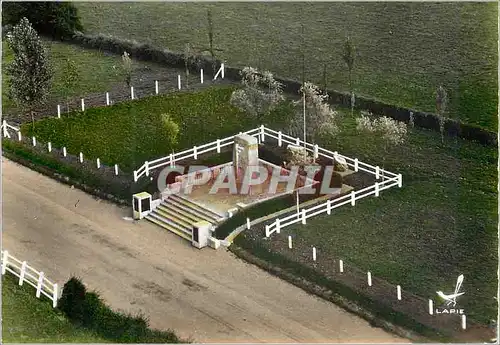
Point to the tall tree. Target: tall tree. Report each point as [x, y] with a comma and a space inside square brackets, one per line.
[349, 55]
[70, 77]
[441, 104]
[30, 71]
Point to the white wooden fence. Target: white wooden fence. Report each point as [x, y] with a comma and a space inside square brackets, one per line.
[28, 274]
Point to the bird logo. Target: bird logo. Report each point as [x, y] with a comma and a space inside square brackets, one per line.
[452, 298]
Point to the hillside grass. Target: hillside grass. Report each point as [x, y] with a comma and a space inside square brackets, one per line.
[442, 223]
[27, 319]
[405, 50]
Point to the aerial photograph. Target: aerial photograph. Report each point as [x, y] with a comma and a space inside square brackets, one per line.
[249, 172]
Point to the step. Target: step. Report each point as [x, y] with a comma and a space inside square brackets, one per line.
[186, 230]
[174, 216]
[198, 206]
[172, 207]
[180, 206]
[167, 227]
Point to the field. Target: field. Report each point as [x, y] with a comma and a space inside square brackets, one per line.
[422, 236]
[27, 319]
[405, 50]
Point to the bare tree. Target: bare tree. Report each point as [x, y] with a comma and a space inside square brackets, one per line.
[349, 56]
[127, 68]
[441, 103]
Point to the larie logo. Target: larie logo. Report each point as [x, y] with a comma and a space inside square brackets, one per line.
[451, 299]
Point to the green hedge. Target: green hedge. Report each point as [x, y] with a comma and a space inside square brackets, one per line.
[87, 309]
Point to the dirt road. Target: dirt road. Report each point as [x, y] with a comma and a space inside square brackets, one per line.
[208, 295]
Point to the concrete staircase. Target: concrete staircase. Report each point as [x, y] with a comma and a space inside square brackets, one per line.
[178, 214]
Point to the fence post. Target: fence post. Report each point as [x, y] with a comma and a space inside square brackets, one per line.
[201, 75]
[278, 225]
[81, 157]
[116, 169]
[369, 279]
[376, 189]
[4, 261]
[179, 81]
[39, 285]
[356, 165]
[316, 151]
[464, 322]
[98, 163]
[55, 295]
[431, 309]
[132, 92]
[303, 216]
[377, 172]
[341, 266]
[290, 242]
[314, 253]
[64, 152]
[399, 292]
[218, 145]
[58, 111]
[107, 98]
[49, 147]
[23, 272]
[222, 70]
[400, 180]
[156, 86]
[353, 198]
[34, 141]
[135, 175]
[4, 127]
[262, 136]
[328, 207]
[195, 153]
[248, 223]
[171, 161]
[83, 105]
[279, 139]
[297, 141]
[267, 230]
[19, 135]
[146, 167]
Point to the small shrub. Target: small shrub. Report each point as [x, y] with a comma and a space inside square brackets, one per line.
[72, 301]
[91, 309]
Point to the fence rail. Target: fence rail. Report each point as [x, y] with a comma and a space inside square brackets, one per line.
[28, 274]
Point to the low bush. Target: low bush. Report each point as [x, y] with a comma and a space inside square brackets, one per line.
[89, 310]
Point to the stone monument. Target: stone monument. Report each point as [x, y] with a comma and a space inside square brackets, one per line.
[245, 153]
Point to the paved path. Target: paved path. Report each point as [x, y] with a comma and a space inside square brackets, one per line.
[208, 295]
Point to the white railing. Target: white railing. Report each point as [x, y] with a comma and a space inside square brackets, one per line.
[5, 126]
[303, 214]
[31, 276]
[194, 152]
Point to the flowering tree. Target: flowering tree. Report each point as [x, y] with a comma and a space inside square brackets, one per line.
[441, 103]
[392, 132]
[260, 93]
[30, 73]
[320, 118]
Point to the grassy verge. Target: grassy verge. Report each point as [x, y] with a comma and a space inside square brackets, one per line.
[130, 133]
[405, 50]
[27, 319]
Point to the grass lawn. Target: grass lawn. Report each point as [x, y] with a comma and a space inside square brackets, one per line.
[27, 319]
[442, 223]
[132, 132]
[406, 50]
